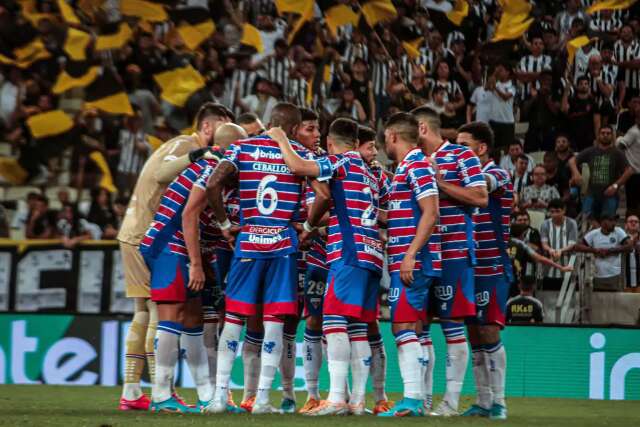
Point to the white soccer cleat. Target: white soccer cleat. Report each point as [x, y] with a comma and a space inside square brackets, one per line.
[264, 408]
[215, 407]
[444, 410]
[329, 408]
[357, 409]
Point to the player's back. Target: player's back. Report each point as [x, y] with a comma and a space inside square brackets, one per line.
[270, 197]
[492, 225]
[148, 191]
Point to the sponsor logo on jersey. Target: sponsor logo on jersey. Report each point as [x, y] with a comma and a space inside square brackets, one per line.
[482, 298]
[266, 154]
[444, 292]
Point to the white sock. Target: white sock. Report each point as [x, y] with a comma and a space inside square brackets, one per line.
[457, 359]
[251, 362]
[227, 348]
[131, 391]
[312, 362]
[288, 365]
[210, 337]
[271, 354]
[192, 343]
[429, 355]
[410, 360]
[360, 361]
[167, 351]
[497, 356]
[378, 367]
[481, 375]
[338, 356]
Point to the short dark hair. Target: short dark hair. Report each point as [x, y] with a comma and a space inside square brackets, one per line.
[405, 124]
[517, 230]
[280, 43]
[523, 157]
[210, 109]
[556, 204]
[516, 141]
[606, 126]
[308, 114]
[528, 283]
[246, 118]
[479, 131]
[366, 134]
[429, 115]
[345, 131]
[582, 78]
[286, 115]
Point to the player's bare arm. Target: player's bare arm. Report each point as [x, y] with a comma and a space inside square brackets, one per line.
[196, 203]
[295, 163]
[318, 210]
[224, 172]
[430, 213]
[473, 196]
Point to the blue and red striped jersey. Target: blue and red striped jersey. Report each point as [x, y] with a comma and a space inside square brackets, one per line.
[413, 181]
[231, 203]
[270, 197]
[166, 227]
[457, 165]
[385, 184]
[492, 224]
[317, 254]
[353, 225]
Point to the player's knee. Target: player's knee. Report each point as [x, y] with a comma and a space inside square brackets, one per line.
[254, 323]
[490, 334]
[397, 327]
[374, 328]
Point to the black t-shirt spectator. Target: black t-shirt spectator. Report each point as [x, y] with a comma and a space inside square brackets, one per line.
[605, 167]
[580, 123]
[524, 309]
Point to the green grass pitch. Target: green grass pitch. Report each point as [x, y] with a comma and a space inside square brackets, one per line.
[38, 405]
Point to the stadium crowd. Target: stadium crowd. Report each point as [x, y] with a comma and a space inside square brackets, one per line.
[563, 94]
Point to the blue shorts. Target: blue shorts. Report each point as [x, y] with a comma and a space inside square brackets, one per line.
[409, 304]
[222, 266]
[492, 293]
[351, 292]
[169, 277]
[271, 283]
[453, 294]
[594, 207]
[315, 281]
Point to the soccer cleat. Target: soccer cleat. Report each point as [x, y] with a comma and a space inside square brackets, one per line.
[264, 409]
[476, 411]
[498, 412]
[181, 400]
[309, 405]
[328, 408]
[357, 409]
[230, 399]
[288, 406]
[172, 405]
[140, 404]
[444, 410]
[382, 406]
[406, 407]
[219, 407]
[247, 405]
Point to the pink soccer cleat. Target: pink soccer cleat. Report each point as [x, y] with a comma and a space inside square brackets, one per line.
[140, 404]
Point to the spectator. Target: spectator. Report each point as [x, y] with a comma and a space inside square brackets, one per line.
[10, 92]
[531, 236]
[606, 243]
[480, 104]
[262, 102]
[627, 51]
[73, 229]
[351, 107]
[538, 195]
[40, 220]
[629, 143]
[558, 234]
[525, 308]
[120, 209]
[608, 171]
[502, 118]
[516, 151]
[134, 150]
[565, 19]
[251, 124]
[631, 260]
[101, 213]
[521, 178]
[362, 86]
[627, 117]
[582, 111]
[542, 110]
[531, 66]
[4, 222]
[563, 153]
[143, 98]
[602, 87]
[21, 216]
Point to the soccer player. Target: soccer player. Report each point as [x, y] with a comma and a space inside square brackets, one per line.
[177, 279]
[368, 151]
[461, 187]
[159, 170]
[263, 271]
[354, 253]
[414, 257]
[211, 295]
[493, 276]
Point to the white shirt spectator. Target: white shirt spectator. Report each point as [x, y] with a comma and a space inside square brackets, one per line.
[501, 110]
[261, 109]
[630, 145]
[609, 266]
[507, 164]
[582, 61]
[483, 101]
[8, 100]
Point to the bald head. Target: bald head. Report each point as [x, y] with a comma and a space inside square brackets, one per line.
[287, 116]
[227, 134]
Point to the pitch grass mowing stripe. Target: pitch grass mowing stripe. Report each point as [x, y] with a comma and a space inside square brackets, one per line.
[38, 405]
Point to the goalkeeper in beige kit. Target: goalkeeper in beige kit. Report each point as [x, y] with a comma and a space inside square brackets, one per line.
[167, 162]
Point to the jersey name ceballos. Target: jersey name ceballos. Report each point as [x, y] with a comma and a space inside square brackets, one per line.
[166, 228]
[353, 225]
[459, 166]
[270, 196]
[492, 225]
[414, 180]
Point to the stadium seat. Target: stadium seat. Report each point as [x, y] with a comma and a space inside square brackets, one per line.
[52, 193]
[537, 218]
[538, 157]
[20, 192]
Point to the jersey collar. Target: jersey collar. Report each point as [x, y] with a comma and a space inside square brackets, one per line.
[445, 144]
[411, 153]
[487, 165]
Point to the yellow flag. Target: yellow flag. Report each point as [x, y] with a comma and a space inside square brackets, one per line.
[306, 13]
[106, 181]
[574, 44]
[67, 12]
[146, 10]
[412, 47]
[31, 52]
[179, 84]
[76, 44]
[375, 11]
[67, 81]
[11, 171]
[459, 12]
[251, 37]
[48, 124]
[193, 24]
[609, 4]
[115, 40]
[515, 20]
[107, 94]
[154, 142]
[338, 16]
[292, 6]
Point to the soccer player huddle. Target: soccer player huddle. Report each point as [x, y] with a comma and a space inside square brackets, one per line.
[238, 227]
